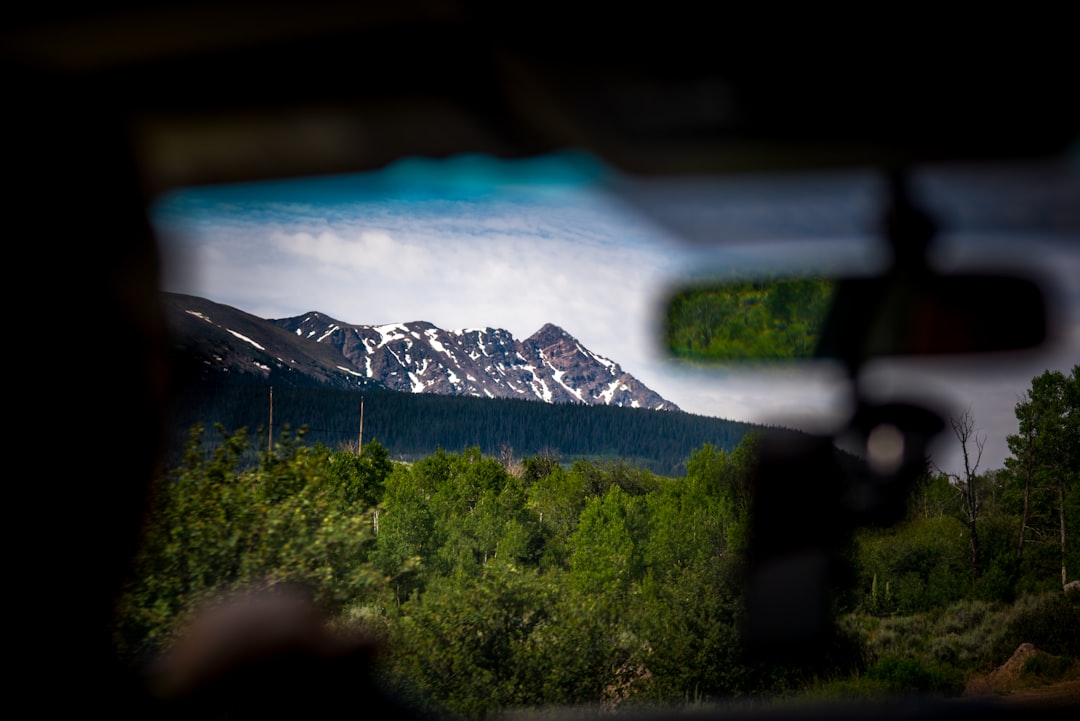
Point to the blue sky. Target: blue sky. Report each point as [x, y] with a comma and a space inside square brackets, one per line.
[473, 242]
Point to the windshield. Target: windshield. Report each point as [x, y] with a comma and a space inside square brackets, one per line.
[365, 344]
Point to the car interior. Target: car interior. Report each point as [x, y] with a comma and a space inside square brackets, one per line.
[110, 106]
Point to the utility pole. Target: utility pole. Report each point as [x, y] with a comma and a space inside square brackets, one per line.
[270, 433]
[360, 441]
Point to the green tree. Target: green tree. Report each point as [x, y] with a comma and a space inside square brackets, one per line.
[361, 478]
[451, 513]
[914, 566]
[1045, 465]
[406, 533]
[217, 527]
[557, 499]
[934, 495]
[604, 557]
[697, 517]
[474, 644]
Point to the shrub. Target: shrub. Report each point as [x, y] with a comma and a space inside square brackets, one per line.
[1046, 668]
[964, 615]
[906, 675]
[1051, 622]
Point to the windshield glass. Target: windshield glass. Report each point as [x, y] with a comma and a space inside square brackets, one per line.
[365, 345]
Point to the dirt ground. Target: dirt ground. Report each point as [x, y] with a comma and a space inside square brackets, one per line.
[1063, 694]
[1008, 684]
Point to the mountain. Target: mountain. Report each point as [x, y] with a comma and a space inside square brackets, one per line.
[215, 343]
[416, 388]
[224, 344]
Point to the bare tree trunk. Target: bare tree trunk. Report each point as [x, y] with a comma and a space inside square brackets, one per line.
[1023, 519]
[1027, 501]
[964, 428]
[974, 535]
[1061, 514]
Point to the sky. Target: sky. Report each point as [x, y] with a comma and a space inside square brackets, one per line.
[473, 242]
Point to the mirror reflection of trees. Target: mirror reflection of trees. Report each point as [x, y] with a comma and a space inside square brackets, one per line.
[749, 320]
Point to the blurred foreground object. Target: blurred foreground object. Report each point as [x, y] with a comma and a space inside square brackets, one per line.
[268, 653]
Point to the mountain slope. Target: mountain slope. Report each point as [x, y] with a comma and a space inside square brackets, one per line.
[218, 343]
[221, 343]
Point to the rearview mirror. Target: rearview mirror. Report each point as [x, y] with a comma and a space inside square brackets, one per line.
[854, 319]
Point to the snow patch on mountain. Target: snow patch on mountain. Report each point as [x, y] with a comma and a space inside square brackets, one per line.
[244, 338]
[550, 366]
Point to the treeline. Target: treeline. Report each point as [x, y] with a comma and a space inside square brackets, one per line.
[410, 426]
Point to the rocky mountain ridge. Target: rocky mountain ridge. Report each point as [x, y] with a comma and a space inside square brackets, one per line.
[314, 349]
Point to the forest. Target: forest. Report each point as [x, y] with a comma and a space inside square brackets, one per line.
[410, 425]
[497, 582]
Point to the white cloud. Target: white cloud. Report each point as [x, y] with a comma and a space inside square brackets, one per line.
[341, 252]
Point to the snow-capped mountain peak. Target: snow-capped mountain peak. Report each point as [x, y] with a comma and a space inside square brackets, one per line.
[418, 357]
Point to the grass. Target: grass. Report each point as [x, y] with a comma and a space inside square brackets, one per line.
[939, 651]
[1045, 668]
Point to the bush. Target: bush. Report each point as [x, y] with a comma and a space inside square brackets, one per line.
[963, 615]
[1051, 622]
[1046, 668]
[905, 675]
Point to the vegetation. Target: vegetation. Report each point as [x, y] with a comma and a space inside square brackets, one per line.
[410, 425]
[750, 320]
[495, 583]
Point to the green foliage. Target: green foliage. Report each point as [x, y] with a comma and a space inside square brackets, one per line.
[691, 618]
[1049, 621]
[406, 532]
[604, 558]
[1044, 472]
[1047, 668]
[498, 586]
[905, 675]
[933, 496]
[472, 644]
[453, 513]
[599, 476]
[216, 527]
[937, 650]
[361, 478]
[749, 320]
[411, 425]
[922, 564]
